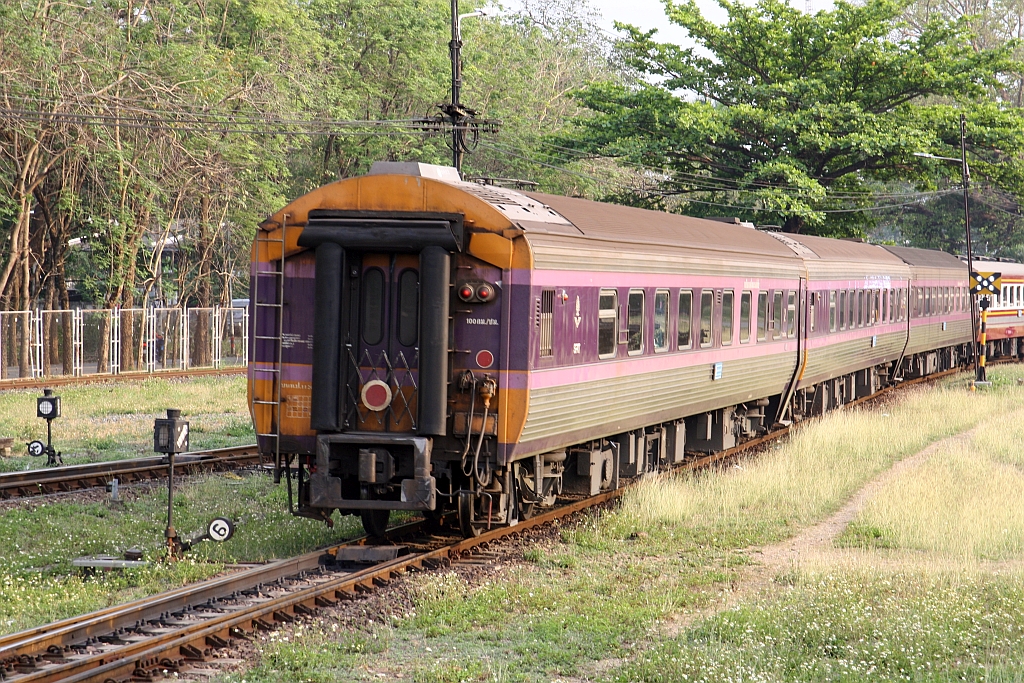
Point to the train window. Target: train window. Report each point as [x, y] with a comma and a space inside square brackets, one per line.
[842, 310]
[791, 315]
[884, 316]
[727, 297]
[685, 310]
[373, 306]
[832, 311]
[745, 317]
[635, 322]
[408, 307]
[707, 305]
[876, 306]
[762, 316]
[777, 312]
[606, 323]
[815, 296]
[919, 305]
[547, 309]
[861, 310]
[661, 320]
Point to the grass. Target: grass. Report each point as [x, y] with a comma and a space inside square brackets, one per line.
[967, 499]
[809, 476]
[868, 626]
[114, 420]
[632, 594]
[38, 584]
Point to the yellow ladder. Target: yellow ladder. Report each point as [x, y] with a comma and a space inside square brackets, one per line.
[261, 308]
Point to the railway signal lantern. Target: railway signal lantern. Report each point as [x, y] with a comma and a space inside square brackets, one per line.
[170, 436]
[48, 408]
[48, 405]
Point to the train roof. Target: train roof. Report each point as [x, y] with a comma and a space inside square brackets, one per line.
[614, 222]
[831, 249]
[926, 257]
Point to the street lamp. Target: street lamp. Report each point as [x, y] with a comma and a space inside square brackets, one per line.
[965, 171]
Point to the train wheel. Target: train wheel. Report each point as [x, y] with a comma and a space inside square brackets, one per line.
[375, 522]
[467, 515]
[524, 485]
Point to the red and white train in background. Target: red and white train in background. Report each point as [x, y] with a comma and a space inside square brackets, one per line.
[421, 342]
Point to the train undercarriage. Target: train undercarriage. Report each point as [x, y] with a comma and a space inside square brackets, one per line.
[461, 473]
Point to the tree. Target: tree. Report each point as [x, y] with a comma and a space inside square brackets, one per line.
[796, 119]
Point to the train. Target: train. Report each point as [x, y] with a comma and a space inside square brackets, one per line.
[419, 342]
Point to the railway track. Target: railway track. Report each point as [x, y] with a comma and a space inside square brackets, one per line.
[94, 475]
[98, 474]
[184, 628]
[68, 380]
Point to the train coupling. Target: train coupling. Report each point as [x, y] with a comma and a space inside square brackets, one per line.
[378, 462]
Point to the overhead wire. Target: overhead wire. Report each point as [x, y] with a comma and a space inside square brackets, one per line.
[740, 185]
[912, 198]
[241, 126]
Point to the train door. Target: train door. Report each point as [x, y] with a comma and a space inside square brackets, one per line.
[797, 318]
[383, 343]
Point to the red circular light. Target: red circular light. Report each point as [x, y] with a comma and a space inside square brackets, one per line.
[466, 293]
[485, 292]
[376, 395]
[484, 359]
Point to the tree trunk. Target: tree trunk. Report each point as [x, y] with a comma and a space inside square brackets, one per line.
[67, 336]
[201, 347]
[50, 341]
[103, 357]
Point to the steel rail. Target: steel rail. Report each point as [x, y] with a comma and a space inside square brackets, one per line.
[46, 639]
[92, 475]
[41, 654]
[69, 380]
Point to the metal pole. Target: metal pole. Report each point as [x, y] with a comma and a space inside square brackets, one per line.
[169, 533]
[455, 51]
[966, 172]
[984, 339]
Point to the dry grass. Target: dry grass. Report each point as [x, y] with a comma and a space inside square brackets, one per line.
[964, 501]
[806, 478]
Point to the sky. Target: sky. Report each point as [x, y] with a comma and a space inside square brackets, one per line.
[648, 14]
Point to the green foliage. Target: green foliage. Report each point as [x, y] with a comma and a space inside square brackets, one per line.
[196, 120]
[784, 117]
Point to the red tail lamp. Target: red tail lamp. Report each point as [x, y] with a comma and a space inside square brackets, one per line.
[376, 395]
[466, 293]
[485, 292]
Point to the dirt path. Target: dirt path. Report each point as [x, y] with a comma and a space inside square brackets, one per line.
[815, 544]
[821, 537]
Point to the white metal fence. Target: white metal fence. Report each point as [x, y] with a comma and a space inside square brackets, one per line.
[120, 340]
